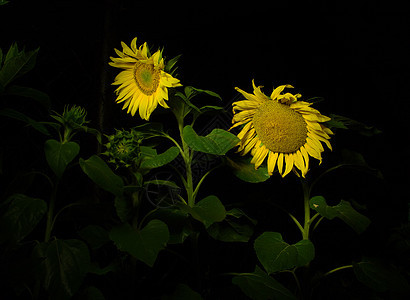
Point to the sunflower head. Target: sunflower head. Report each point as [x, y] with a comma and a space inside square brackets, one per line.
[144, 81]
[281, 129]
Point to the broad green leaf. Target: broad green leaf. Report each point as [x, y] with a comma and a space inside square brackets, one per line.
[277, 255]
[22, 91]
[209, 210]
[17, 64]
[260, 286]
[245, 171]
[144, 244]
[218, 142]
[21, 217]
[14, 114]
[343, 211]
[347, 123]
[59, 155]
[102, 175]
[380, 277]
[183, 292]
[63, 265]
[124, 208]
[94, 235]
[176, 219]
[160, 159]
[237, 227]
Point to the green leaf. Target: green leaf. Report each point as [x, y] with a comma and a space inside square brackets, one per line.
[209, 210]
[380, 277]
[2, 2]
[14, 114]
[237, 227]
[343, 211]
[63, 265]
[160, 159]
[124, 208]
[210, 93]
[218, 142]
[99, 172]
[183, 292]
[22, 91]
[17, 64]
[347, 123]
[245, 171]
[94, 235]
[21, 217]
[277, 255]
[144, 244]
[59, 155]
[260, 286]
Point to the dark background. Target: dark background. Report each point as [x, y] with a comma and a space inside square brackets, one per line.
[352, 53]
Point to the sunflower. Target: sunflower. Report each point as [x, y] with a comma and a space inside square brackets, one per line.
[143, 84]
[280, 128]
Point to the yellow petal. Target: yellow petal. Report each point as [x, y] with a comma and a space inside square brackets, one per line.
[289, 164]
[280, 163]
[272, 158]
[248, 96]
[276, 92]
[245, 105]
[261, 155]
[258, 93]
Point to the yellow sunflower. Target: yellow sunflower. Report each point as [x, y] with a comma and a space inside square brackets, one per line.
[143, 84]
[280, 128]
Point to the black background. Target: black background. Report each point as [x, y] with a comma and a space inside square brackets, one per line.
[352, 53]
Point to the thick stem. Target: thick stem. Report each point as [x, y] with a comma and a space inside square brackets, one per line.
[306, 198]
[50, 212]
[187, 156]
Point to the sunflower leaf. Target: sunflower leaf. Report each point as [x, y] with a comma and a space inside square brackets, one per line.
[245, 171]
[160, 159]
[277, 255]
[62, 265]
[99, 172]
[343, 211]
[342, 122]
[218, 142]
[21, 217]
[144, 244]
[59, 155]
[260, 286]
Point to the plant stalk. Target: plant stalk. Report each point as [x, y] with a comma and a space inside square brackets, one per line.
[50, 212]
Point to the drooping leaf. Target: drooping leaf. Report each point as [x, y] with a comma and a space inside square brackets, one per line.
[218, 142]
[21, 217]
[245, 171]
[63, 265]
[144, 244]
[59, 155]
[277, 255]
[380, 277]
[199, 91]
[160, 159]
[260, 286]
[124, 208]
[102, 175]
[14, 114]
[343, 211]
[22, 91]
[342, 122]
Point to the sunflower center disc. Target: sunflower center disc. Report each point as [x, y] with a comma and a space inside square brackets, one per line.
[146, 77]
[279, 127]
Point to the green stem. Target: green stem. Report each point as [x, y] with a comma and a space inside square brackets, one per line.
[50, 212]
[338, 269]
[187, 156]
[308, 220]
